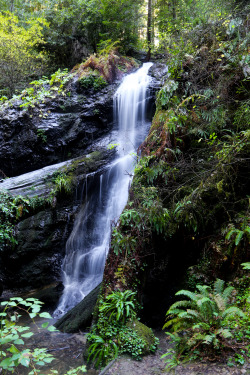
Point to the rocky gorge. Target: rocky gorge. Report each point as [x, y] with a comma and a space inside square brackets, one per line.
[67, 137]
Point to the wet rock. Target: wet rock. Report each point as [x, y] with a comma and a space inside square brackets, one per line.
[37, 258]
[159, 72]
[41, 182]
[42, 234]
[81, 315]
[54, 131]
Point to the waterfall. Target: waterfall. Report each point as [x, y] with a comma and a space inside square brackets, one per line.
[105, 196]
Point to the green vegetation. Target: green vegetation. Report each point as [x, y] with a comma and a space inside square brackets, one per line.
[92, 80]
[14, 334]
[18, 59]
[190, 184]
[11, 210]
[205, 323]
[40, 91]
[117, 330]
[39, 37]
[15, 208]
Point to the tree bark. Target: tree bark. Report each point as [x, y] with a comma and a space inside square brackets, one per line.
[149, 30]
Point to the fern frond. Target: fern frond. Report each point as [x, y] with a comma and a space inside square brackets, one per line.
[179, 304]
[186, 315]
[208, 339]
[201, 325]
[224, 333]
[227, 293]
[204, 289]
[194, 313]
[194, 339]
[171, 322]
[203, 300]
[232, 311]
[219, 286]
[172, 311]
[220, 302]
[187, 293]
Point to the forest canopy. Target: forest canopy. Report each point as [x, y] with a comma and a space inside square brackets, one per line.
[43, 36]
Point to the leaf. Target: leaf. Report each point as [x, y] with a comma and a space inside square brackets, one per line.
[13, 349]
[28, 334]
[238, 238]
[19, 342]
[45, 315]
[36, 309]
[52, 329]
[6, 363]
[25, 361]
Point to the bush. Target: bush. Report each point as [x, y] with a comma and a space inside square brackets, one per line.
[204, 322]
[12, 336]
[117, 331]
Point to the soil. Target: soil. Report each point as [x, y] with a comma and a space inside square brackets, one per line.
[155, 365]
[67, 350]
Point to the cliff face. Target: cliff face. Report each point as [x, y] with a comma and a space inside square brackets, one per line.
[48, 200]
[54, 131]
[51, 147]
[188, 200]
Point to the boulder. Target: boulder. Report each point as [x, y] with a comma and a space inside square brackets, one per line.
[81, 315]
[54, 131]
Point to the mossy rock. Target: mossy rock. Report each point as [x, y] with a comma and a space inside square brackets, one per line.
[145, 333]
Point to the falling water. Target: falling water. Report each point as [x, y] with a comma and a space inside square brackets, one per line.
[105, 196]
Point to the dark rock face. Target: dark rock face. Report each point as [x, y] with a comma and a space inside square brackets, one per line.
[54, 131]
[51, 133]
[36, 259]
[38, 255]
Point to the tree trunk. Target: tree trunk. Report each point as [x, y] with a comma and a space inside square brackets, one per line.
[149, 29]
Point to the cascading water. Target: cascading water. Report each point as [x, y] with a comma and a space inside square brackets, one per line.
[105, 197]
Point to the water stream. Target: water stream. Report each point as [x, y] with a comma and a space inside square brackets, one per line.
[105, 196]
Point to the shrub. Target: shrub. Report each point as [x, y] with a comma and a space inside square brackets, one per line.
[116, 330]
[202, 321]
[12, 336]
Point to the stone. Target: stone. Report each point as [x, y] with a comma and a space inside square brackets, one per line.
[81, 315]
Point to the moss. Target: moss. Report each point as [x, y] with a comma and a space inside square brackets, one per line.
[145, 333]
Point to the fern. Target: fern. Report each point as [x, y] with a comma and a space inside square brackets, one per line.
[202, 317]
[218, 286]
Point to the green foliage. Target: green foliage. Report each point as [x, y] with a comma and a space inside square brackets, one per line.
[19, 59]
[204, 321]
[11, 210]
[101, 351]
[239, 234]
[166, 93]
[41, 90]
[63, 184]
[13, 336]
[246, 266]
[119, 306]
[41, 135]
[120, 21]
[130, 342]
[114, 330]
[93, 80]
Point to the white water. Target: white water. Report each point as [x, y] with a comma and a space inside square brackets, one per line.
[105, 196]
